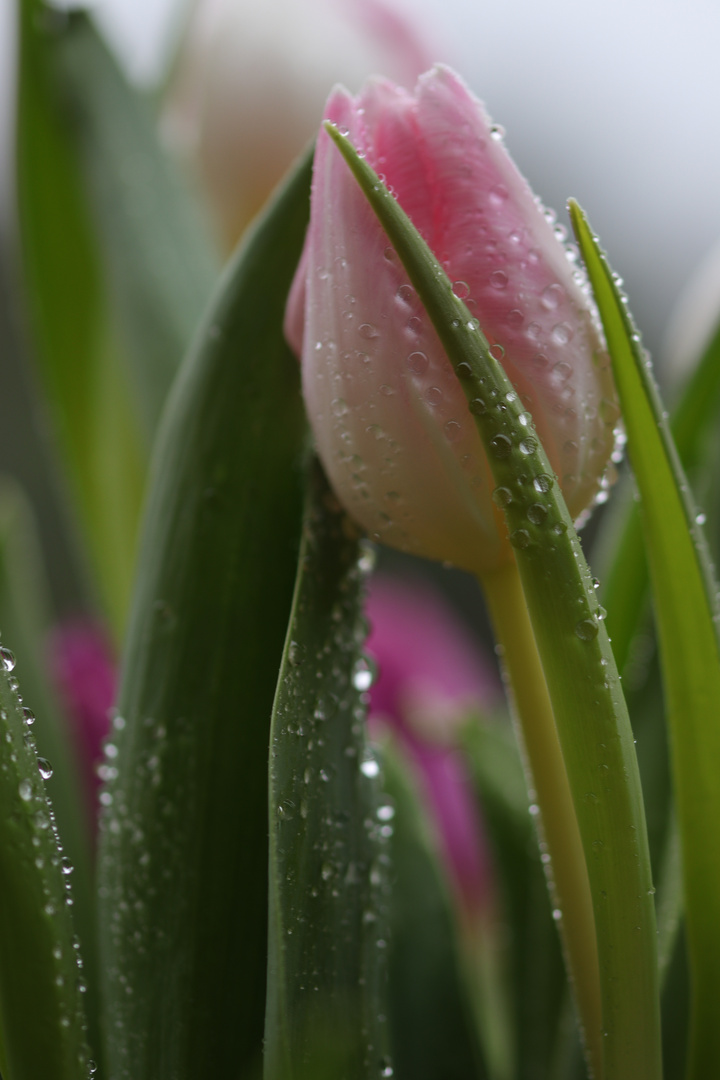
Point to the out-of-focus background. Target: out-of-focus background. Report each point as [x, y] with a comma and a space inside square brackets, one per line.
[616, 103]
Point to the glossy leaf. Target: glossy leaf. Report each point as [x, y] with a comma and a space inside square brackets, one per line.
[326, 1014]
[687, 613]
[25, 619]
[42, 1022]
[183, 857]
[579, 667]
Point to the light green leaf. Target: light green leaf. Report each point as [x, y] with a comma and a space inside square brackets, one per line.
[579, 667]
[183, 856]
[687, 616]
[327, 967]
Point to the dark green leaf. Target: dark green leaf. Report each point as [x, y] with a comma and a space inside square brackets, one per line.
[685, 597]
[184, 847]
[430, 1014]
[25, 621]
[42, 1023]
[328, 852]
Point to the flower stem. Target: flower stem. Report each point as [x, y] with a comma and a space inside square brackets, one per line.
[550, 791]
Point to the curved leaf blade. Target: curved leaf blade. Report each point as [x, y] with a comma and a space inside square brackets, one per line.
[687, 613]
[326, 1012]
[42, 1021]
[183, 857]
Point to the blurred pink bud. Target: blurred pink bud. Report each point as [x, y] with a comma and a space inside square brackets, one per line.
[430, 676]
[252, 80]
[83, 670]
[391, 421]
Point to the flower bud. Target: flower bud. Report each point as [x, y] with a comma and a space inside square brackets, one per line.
[391, 421]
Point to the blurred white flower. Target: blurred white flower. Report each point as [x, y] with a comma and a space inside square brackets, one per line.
[252, 80]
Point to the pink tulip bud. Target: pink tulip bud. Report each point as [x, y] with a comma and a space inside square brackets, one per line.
[391, 421]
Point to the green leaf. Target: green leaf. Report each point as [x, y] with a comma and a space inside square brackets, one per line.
[157, 257]
[579, 667]
[429, 1010]
[183, 857]
[687, 616]
[326, 1012]
[76, 359]
[537, 977]
[24, 617]
[692, 421]
[42, 1023]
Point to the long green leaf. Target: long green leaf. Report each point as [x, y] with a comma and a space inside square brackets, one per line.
[25, 619]
[183, 858]
[579, 667]
[326, 1014]
[687, 614]
[157, 258]
[42, 1022]
[76, 356]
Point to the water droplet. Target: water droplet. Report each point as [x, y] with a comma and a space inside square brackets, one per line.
[368, 331]
[339, 407]
[499, 279]
[363, 675]
[7, 660]
[528, 446]
[557, 914]
[587, 629]
[28, 716]
[497, 351]
[296, 653]
[552, 297]
[542, 483]
[417, 362]
[497, 132]
[25, 790]
[478, 406]
[67, 866]
[406, 293]
[386, 390]
[463, 370]
[370, 768]
[502, 496]
[520, 538]
[561, 334]
[452, 430]
[701, 518]
[461, 289]
[386, 1068]
[44, 768]
[385, 813]
[501, 446]
[537, 513]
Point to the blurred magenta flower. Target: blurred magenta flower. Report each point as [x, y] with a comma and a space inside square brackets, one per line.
[430, 676]
[83, 669]
[252, 80]
[391, 421]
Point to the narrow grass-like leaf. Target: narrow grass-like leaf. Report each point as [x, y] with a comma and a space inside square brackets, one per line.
[25, 621]
[579, 667]
[626, 586]
[157, 258]
[42, 1022]
[687, 615]
[537, 977]
[68, 316]
[326, 1013]
[183, 859]
[429, 1009]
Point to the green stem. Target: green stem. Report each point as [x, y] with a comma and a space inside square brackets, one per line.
[568, 877]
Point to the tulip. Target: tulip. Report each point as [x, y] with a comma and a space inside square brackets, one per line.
[391, 421]
[430, 678]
